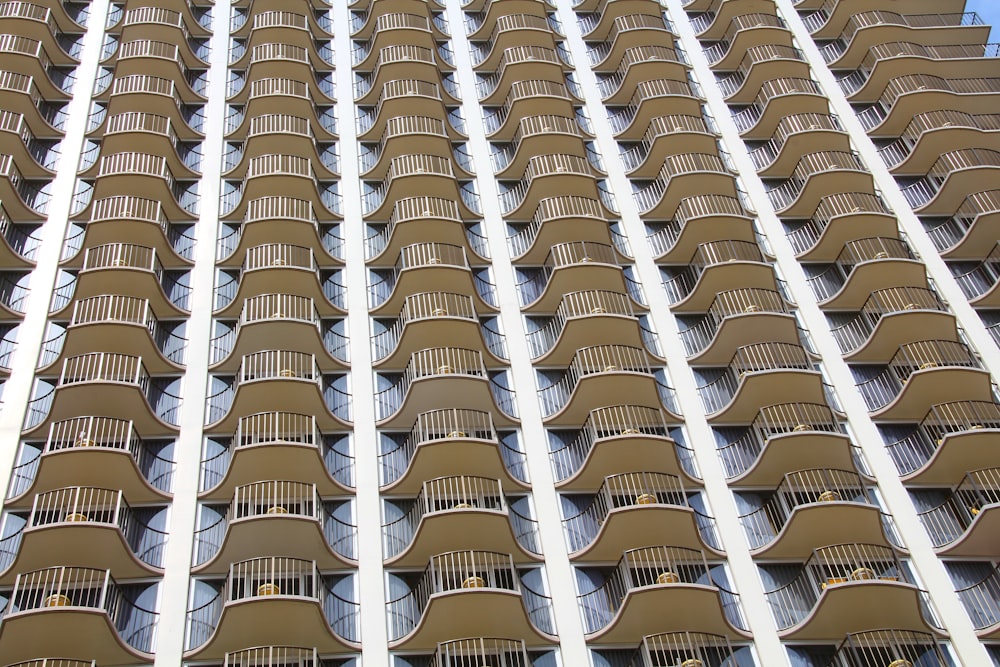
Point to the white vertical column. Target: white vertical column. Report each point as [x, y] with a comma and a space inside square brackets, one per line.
[867, 436]
[170, 633]
[746, 580]
[371, 582]
[31, 332]
[559, 570]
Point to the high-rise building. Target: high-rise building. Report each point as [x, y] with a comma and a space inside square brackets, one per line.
[504, 333]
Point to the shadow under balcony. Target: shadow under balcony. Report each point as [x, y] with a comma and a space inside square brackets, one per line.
[966, 524]
[837, 220]
[416, 220]
[627, 508]
[972, 227]
[274, 600]
[285, 445]
[715, 267]
[895, 647]
[979, 281]
[698, 220]
[468, 593]
[687, 649]
[863, 264]
[271, 518]
[846, 588]
[572, 266]
[450, 441]
[810, 508]
[461, 512]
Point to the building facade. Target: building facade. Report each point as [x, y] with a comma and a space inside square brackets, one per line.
[412, 333]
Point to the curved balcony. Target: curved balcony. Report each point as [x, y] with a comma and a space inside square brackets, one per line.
[600, 371]
[969, 229]
[933, 133]
[815, 175]
[399, 97]
[24, 199]
[441, 377]
[546, 134]
[887, 61]
[481, 18]
[137, 222]
[286, 445]
[274, 174]
[167, 59]
[668, 135]
[430, 317]
[701, 219]
[952, 177]
[451, 441]
[650, 98]
[69, 610]
[418, 175]
[697, 649]
[587, 318]
[127, 321]
[405, 135]
[709, 173]
[22, 95]
[618, 439]
[863, 264]
[638, 64]
[267, 95]
[394, 62]
[784, 436]
[471, 594]
[892, 317]
[979, 283]
[100, 451]
[628, 508]
[266, 317]
[460, 511]
[155, 134]
[813, 507]
[922, 374]
[527, 98]
[883, 647]
[571, 266]
[124, 383]
[131, 270]
[44, 25]
[735, 34]
[97, 525]
[18, 242]
[482, 650]
[795, 136]
[283, 380]
[416, 220]
[153, 94]
[737, 317]
[658, 586]
[759, 65]
[30, 57]
[863, 30]
[951, 439]
[517, 63]
[980, 600]
[386, 31]
[149, 177]
[964, 525]
[150, 21]
[270, 148]
[837, 220]
[559, 220]
[274, 517]
[268, 601]
[845, 588]
[279, 268]
[910, 94]
[36, 157]
[277, 59]
[608, 40]
[715, 267]
[777, 99]
[570, 175]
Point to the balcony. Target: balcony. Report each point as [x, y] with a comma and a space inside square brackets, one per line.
[567, 174]
[863, 264]
[267, 601]
[969, 229]
[124, 383]
[137, 222]
[844, 588]
[737, 317]
[399, 97]
[279, 268]
[268, 518]
[18, 242]
[933, 133]
[67, 610]
[669, 135]
[889, 318]
[429, 317]
[470, 594]
[628, 508]
[910, 94]
[700, 219]
[878, 647]
[482, 650]
[22, 95]
[813, 507]
[516, 64]
[676, 648]
[681, 175]
[866, 29]
[630, 121]
[283, 380]
[608, 41]
[97, 525]
[440, 377]
[587, 318]
[387, 31]
[600, 371]
[36, 157]
[761, 64]
[735, 34]
[950, 440]
[658, 586]
[949, 181]
[451, 441]
[571, 266]
[546, 134]
[560, 221]
[418, 175]
[964, 525]
[619, 439]
[775, 100]
[715, 267]
[30, 57]
[979, 283]
[153, 134]
[796, 135]
[285, 445]
[127, 321]
[91, 450]
[152, 94]
[638, 64]
[395, 62]
[423, 219]
[814, 177]
[922, 374]
[406, 135]
[274, 174]
[837, 220]
[277, 59]
[24, 199]
[459, 511]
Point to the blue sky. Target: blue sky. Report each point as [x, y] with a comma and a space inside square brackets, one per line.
[989, 10]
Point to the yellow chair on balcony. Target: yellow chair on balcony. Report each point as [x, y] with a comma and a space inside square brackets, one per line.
[276, 509]
[268, 588]
[646, 499]
[668, 577]
[474, 582]
[57, 600]
[829, 497]
[863, 574]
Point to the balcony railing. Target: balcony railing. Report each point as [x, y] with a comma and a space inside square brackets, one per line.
[727, 304]
[885, 647]
[830, 209]
[749, 359]
[855, 332]
[765, 155]
[948, 521]
[857, 79]
[686, 649]
[953, 231]
[913, 450]
[683, 281]
[481, 651]
[883, 389]
[915, 83]
[829, 282]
